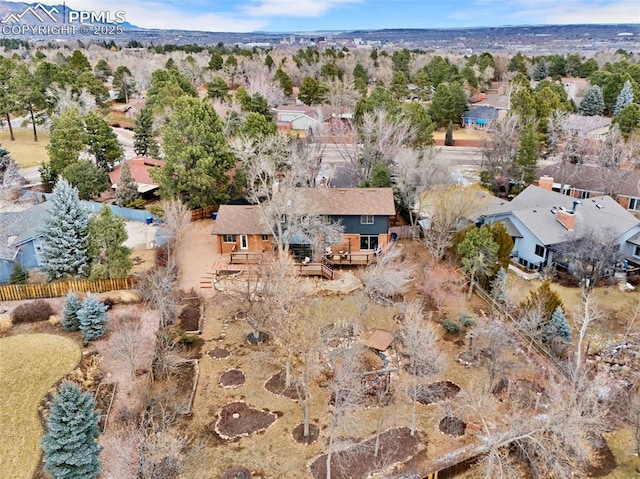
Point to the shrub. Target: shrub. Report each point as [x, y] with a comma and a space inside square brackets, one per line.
[32, 312]
[450, 326]
[19, 275]
[70, 314]
[466, 321]
[6, 323]
[137, 204]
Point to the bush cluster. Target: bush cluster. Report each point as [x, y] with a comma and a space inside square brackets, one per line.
[32, 312]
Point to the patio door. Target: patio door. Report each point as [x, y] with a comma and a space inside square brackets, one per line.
[244, 242]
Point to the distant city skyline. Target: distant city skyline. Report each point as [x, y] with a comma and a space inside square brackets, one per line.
[337, 15]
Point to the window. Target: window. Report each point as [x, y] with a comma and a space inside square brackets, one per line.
[540, 251]
[583, 194]
[369, 242]
[634, 204]
[636, 251]
[366, 220]
[228, 238]
[265, 237]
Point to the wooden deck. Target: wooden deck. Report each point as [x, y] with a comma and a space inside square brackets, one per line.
[246, 258]
[351, 259]
[322, 269]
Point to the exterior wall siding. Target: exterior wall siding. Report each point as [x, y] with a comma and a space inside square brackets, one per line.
[255, 243]
[352, 225]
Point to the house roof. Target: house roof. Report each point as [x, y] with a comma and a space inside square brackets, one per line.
[319, 113]
[537, 209]
[140, 171]
[511, 228]
[586, 124]
[379, 340]
[482, 113]
[349, 201]
[239, 219]
[612, 181]
[19, 227]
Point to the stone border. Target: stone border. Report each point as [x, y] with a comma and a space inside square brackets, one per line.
[244, 434]
[232, 386]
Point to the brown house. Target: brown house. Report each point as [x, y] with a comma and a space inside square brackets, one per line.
[364, 214]
[140, 167]
[582, 182]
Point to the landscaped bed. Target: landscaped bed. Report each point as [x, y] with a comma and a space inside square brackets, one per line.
[30, 365]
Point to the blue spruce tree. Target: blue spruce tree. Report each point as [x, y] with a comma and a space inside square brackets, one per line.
[499, 286]
[92, 318]
[72, 305]
[558, 327]
[625, 98]
[64, 238]
[70, 447]
[593, 102]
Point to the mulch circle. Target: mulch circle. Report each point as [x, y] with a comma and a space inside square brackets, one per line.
[452, 426]
[237, 472]
[435, 392]
[238, 419]
[298, 434]
[219, 353]
[276, 385]
[232, 378]
[190, 318]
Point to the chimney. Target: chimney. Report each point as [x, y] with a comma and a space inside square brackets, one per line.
[546, 182]
[567, 219]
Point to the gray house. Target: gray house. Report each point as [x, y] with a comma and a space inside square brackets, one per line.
[540, 220]
[20, 238]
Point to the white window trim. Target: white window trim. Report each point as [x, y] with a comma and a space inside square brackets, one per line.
[364, 219]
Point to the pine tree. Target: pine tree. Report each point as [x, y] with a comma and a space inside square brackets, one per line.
[93, 318]
[70, 447]
[143, 142]
[19, 275]
[102, 141]
[527, 159]
[64, 238]
[625, 98]
[499, 286]
[593, 102]
[448, 137]
[72, 305]
[127, 190]
[557, 327]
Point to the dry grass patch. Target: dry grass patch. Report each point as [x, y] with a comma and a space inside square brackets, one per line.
[622, 445]
[29, 366]
[24, 150]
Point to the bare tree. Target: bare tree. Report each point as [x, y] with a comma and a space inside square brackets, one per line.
[389, 277]
[447, 209]
[420, 346]
[418, 171]
[130, 342]
[500, 153]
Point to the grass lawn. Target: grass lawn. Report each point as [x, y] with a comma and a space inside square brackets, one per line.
[29, 365]
[24, 150]
[622, 445]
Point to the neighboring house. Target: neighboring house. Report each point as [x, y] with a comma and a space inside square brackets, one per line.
[582, 182]
[305, 118]
[20, 238]
[589, 127]
[364, 213]
[481, 116]
[540, 221]
[140, 171]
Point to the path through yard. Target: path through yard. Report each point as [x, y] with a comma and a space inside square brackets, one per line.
[198, 255]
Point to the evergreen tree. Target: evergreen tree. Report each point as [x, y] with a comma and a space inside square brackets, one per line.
[499, 286]
[109, 257]
[72, 305]
[197, 155]
[284, 80]
[527, 159]
[89, 179]
[67, 139]
[102, 141]
[123, 83]
[144, 143]
[478, 252]
[311, 91]
[593, 102]
[625, 98]
[540, 73]
[19, 275]
[557, 327]
[448, 137]
[628, 120]
[92, 317]
[218, 89]
[70, 447]
[65, 233]
[127, 190]
[216, 61]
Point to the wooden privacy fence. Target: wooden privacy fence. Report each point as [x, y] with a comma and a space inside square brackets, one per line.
[16, 292]
[202, 213]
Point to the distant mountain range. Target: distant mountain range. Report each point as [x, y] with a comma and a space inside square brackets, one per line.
[21, 13]
[528, 39]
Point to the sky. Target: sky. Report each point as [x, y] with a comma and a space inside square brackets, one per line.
[337, 15]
